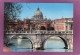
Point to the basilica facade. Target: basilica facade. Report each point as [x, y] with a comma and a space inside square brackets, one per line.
[37, 22]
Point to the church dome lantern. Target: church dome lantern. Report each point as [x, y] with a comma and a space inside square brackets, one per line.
[38, 15]
[38, 12]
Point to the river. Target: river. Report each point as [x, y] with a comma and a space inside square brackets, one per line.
[24, 45]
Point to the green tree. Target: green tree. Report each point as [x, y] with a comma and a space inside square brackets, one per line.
[11, 12]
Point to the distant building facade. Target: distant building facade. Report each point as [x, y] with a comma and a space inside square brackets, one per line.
[63, 24]
[37, 22]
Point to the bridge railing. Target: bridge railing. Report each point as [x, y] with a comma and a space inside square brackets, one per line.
[39, 32]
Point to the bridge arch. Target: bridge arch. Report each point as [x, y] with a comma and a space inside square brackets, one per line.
[63, 39]
[22, 36]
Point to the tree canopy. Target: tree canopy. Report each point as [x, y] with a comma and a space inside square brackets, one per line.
[12, 11]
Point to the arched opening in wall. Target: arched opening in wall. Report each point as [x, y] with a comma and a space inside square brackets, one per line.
[50, 28]
[55, 44]
[42, 28]
[20, 43]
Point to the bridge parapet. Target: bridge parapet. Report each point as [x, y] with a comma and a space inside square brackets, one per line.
[71, 21]
[38, 32]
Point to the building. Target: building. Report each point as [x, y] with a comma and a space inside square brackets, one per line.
[63, 24]
[14, 25]
[37, 22]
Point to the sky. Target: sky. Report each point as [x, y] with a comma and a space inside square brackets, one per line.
[49, 10]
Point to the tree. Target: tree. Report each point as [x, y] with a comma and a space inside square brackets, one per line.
[11, 12]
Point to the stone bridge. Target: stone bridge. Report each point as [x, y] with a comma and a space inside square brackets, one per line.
[38, 37]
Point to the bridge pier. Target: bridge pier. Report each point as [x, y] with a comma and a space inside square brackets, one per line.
[38, 47]
[65, 47]
[70, 42]
[6, 40]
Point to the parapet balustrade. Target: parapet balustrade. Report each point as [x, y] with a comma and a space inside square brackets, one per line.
[69, 21]
[39, 32]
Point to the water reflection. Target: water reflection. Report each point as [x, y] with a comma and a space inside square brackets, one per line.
[19, 41]
[23, 45]
[56, 44]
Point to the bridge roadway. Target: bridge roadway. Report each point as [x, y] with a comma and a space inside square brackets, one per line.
[39, 37]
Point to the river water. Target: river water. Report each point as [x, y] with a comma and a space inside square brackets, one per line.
[24, 45]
